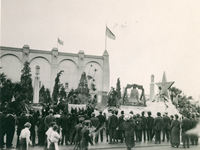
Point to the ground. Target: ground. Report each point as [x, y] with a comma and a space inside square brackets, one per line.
[120, 146]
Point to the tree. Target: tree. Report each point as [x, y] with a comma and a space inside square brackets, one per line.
[42, 95]
[174, 92]
[83, 85]
[57, 86]
[48, 95]
[62, 94]
[26, 83]
[118, 88]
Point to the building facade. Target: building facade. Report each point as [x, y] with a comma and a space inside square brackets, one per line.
[51, 62]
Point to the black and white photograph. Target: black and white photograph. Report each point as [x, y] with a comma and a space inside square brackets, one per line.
[99, 74]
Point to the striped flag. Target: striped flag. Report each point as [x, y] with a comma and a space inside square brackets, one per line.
[110, 34]
[60, 42]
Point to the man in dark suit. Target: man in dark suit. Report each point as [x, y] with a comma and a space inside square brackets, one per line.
[102, 121]
[112, 124]
[10, 129]
[139, 126]
[2, 129]
[21, 121]
[48, 119]
[65, 125]
[144, 125]
[95, 124]
[186, 125]
[150, 121]
[166, 126]
[158, 127]
[121, 126]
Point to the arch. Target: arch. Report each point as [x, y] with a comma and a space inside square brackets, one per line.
[93, 62]
[67, 60]
[97, 75]
[45, 70]
[39, 57]
[11, 66]
[12, 55]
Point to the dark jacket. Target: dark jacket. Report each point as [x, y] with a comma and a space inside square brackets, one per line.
[50, 118]
[139, 123]
[121, 122]
[10, 123]
[129, 128]
[65, 123]
[21, 121]
[186, 125]
[77, 133]
[2, 122]
[40, 124]
[144, 122]
[95, 121]
[158, 123]
[85, 138]
[113, 122]
[166, 122]
[150, 121]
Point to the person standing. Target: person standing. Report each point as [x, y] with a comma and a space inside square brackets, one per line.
[139, 127]
[10, 129]
[32, 129]
[41, 130]
[129, 128]
[74, 120]
[25, 137]
[48, 119]
[121, 126]
[175, 132]
[166, 126]
[144, 125]
[54, 138]
[150, 121]
[158, 127]
[85, 138]
[101, 127]
[21, 122]
[2, 129]
[112, 124]
[65, 125]
[185, 125]
[95, 125]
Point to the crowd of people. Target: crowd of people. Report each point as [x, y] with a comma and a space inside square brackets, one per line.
[80, 129]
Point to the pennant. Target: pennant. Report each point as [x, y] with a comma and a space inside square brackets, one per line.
[60, 42]
[110, 34]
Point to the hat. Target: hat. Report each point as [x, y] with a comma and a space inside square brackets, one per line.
[126, 117]
[81, 119]
[87, 121]
[93, 114]
[100, 111]
[51, 111]
[27, 125]
[131, 112]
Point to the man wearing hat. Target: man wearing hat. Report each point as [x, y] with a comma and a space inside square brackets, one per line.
[166, 126]
[101, 126]
[48, 119]
[121, 126]
[85, 136]
[95, 124]
[25, 137]
[112, 124]
[158, 127]
[139, 125]
[77, 133]
[144, 125]
[150, 121]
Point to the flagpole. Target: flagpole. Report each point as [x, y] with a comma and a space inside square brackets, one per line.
[106, 38]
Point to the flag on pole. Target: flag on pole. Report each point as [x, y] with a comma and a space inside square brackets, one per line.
[60, 42]
[110, 34]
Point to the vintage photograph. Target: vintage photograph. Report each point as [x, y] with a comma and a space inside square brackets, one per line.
[99, 74]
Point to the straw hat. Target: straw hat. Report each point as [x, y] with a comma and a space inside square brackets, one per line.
[126, 117]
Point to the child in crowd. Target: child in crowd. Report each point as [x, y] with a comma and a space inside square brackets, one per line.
[54, 138]
[48, 133]
[25, 137]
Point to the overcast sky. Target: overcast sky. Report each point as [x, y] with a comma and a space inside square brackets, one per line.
[151, 36]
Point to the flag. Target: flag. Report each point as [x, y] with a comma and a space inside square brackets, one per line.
[110, 34]
[60, 42]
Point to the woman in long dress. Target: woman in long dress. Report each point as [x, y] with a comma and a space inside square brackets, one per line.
[129, 128]
[25, 137]
[175, 132]
[54, 139]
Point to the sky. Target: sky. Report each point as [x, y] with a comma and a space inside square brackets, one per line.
[151, 36]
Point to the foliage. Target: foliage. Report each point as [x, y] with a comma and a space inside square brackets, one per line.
[42, 95]
[26, 83]
[83, 85]
[62, 94]
[56, 87]
[118, 88]
[174, 92]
